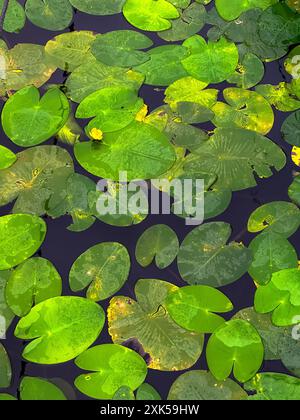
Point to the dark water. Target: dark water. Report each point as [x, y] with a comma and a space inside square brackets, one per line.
[63, 247]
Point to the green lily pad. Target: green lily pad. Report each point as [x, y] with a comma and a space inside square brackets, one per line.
[7, 397]
[245, 109]
[234, 155]
[204, 254]
[200, 385]
[147, 392]
[26, 64]
[124, 394]
[211, 62]
[93, 75]
[194, 308]
[104, 268]
[281, 96]
[249, 72]
[15, 18]
[278, 217]
[192, 19]
[61, 328]
[122, 48]
[114, 108]
[5, 368]
[271, 253]
[232, 10]
[237, 346]
[152, 15]
[164, 66]
[7, 158]
[34, 177]
[141, 150]
[94, 7]
[112, 367]
[291, 129]
[32, 282]
[170, 347]
[159, 242]
[20, 237]
[38, 389]
[274, 387]
[294, 191]
[281, 297]
[54, 15]
[68, 51]
[29, 120]
[6, 314]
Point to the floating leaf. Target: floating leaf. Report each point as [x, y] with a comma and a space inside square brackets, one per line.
[164, 66]
[93, 75]
[191, 20]
[294, 191]
[68, 51]
[249, 72]
[94, 7]
[291, 129]
[20, 237]
[5, 368]
[170, 347]
[146, 392]
[61, 328]
[159, 243]
[213, 62]
[121, 48]
[278, 217]
[29, 120]
[114, 108]
[34, 177]
[234, 155]
[38, 389]
[200, 385]
[7, 397]
[104, 268]
[232, 10]
[124, 394]
[15, 18]
[113, 366]
[54, 15]
[237, 346]
[281, 96]
[6, 314]
[271, 253]
[280, 296]
[32, 282]
[246, 109]
[25, 64]
[7, 158]
[274, 387]
[204, 258]
[141, 150]
[152, 15]
[194, 308]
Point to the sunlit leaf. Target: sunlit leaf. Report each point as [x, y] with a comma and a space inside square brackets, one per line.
[234, 9]
[170, 347]
[6, 314]
[32, 282]
[38, 389]
[104, 268]
[7, 157]
[61, 328]
[96, 7]
[112, 367]
[274, 387]
[280, 96]
[237, 346]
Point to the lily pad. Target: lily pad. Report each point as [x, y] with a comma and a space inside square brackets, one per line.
[104, 268]
[281, 96]
[291, 129]
[6, 314]
[38, 389]
[29, 120]
[169, 346]
[147, 392]
[7, 158]
[271, 253]
[281, 297]
[237, 346]
[278, 217]
[32, 282]
[141, 150]
[20, 237]
[112, 367]
[205, 259]
[200, 385]
[159, 242]
[152, 15]
[5, 368]
[15, 17]
[61, 328]
[54, 15]
[194, 308]
[232, 10]
[122, 48]
[94, 7]
[274, 387]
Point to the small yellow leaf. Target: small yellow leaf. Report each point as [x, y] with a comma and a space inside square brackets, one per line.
[296, 155]
[96, 134]
[142, 114]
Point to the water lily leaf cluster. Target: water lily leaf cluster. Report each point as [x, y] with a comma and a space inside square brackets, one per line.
[76, 109]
